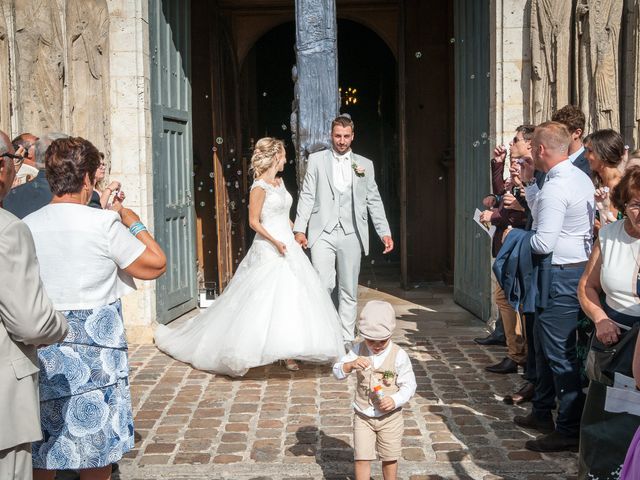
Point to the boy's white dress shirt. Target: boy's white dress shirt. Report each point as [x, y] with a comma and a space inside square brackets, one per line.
[406, 379]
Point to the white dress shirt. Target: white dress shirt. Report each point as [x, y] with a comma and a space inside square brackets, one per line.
[342, 171]
[534, 191]
[563, 212]
[406, 380]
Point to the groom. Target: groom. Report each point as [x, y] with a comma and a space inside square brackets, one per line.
[338, 189]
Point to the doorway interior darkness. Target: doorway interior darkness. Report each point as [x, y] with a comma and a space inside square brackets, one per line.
[267, 93]
[368, 68]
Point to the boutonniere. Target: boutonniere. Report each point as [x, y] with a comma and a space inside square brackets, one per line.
[358, 169]
[387, 377]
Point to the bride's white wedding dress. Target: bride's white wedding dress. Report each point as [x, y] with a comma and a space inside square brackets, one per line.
[274, 307]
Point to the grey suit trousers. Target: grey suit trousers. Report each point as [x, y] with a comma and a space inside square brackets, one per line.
[15, 463]
[336, 250]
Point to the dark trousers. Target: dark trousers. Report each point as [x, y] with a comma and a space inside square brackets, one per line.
[530, 367]
[557, 367]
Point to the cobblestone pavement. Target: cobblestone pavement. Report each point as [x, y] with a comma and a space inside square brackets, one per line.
[273, 424]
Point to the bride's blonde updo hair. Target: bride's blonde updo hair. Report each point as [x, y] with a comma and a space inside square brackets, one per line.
[264, 154]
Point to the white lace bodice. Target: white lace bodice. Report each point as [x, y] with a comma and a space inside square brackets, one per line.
[275, 210]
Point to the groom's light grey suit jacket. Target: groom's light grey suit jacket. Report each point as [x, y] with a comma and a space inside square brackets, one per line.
[318, 201]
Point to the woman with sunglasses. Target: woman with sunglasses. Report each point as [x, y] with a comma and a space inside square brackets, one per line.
[100, 196]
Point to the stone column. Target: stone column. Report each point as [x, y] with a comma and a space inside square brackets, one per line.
[130, 142]
[510, 69]
[316, 87]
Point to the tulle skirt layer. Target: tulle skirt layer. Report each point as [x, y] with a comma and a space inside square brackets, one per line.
[274, 308]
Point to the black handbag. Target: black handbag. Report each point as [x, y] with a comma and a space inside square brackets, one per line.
[603, 361]
[604, 437]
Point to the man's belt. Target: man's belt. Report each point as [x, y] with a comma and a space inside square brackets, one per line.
[570, 265]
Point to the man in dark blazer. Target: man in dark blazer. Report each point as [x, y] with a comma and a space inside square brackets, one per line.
[27, 320]
[573, 118]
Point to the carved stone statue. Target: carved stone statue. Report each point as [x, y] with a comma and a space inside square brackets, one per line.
[597, 57]
[550, 56]
[88, 34]
[40, 64]
[5, 78]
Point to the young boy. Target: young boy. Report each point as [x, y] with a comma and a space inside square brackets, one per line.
[385, 383]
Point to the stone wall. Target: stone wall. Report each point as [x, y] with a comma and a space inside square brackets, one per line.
[82, 67]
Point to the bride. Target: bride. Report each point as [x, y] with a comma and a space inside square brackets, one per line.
[275, 306]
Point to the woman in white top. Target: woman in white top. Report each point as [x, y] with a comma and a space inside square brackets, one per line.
[614, 265]
[275, 306]
[87, 257]
[613, 269]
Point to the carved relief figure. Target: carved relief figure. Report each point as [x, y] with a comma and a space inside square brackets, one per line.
[5, 86]
[88, 34]
[550, 56]
[598, 45]
[40, 64]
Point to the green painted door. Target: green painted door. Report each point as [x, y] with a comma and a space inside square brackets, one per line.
[472, 280]
[169, 46]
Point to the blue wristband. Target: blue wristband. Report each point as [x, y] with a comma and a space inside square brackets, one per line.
[136, 228]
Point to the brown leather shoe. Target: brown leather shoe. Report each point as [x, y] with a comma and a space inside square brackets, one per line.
[525, 394]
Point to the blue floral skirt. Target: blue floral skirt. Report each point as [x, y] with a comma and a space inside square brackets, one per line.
[85, 401]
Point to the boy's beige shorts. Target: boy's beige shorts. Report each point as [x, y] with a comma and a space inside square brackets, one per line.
[382, 434]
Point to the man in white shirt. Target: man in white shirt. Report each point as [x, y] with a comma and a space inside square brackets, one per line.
[562, 213]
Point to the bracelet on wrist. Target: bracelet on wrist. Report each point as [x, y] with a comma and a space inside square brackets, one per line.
[136, 228]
